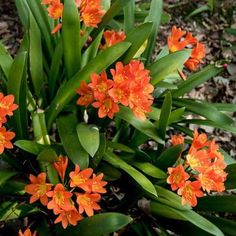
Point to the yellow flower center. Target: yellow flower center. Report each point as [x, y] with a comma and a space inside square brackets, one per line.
[60, 198]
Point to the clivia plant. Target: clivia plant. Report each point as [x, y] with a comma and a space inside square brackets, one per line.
[86, 114]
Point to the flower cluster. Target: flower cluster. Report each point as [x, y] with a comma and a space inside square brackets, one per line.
[86, 190]
[129, 86]
[7, 107]
[111, 37]
[201, 170]
[90, 12]
[179, 40]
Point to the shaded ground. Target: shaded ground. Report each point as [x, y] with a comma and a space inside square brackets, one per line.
[209, 28]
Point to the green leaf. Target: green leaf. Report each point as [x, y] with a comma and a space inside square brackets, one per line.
[23, 12]
[13, 210]
[217, 203]
[129, 17]
[101, 150]
[100, 224]
[136, 175]
[119, 146]
[6, 175]
[230, 182]
[12, 187]
[189, 215]
[35, 56]
[168, 64]
[70, 140]
[196, 79]
[40, 15]
[149, 169]
[176, 115]
[110, 172]
[227, 226]
[71, 38]
[137, 38]
[231, 31]
[199, 10]
[68, 90]
[45, 158]
[154, 16]
[92, 50]
[47, 155]
[5, 60]
[165, 115]
[145, 127]
[29, 146]
[88, 137]
[168, 157]
[204, 110]
[17, 86]
[54, 71]
[228, 128]
[170, 198]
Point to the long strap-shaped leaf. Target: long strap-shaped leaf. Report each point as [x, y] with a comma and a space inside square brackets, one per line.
[168, 64]
[204, 110]
[144, 182]
[196, 79]
[98, 225]
[154, 16]
[98, 64]
[137, 37]
[5, 60]
[146, 127]
[35, 56]
[17, 86]
[188, 215]
[71, 38]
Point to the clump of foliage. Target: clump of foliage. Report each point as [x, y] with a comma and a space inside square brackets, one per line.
[92, 113]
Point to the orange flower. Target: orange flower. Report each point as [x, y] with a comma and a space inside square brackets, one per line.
[198, 160]
[55, 10]
[86, 94]
[177, 139]
[5, 138]
[60, 165]
[80, 178]
[68, 217]
[190, 191]
[61, 199]
[177, 177]
[107, 107]
[211, 181]
[2, 120]
[47, 2]
[88, 203]
[96, 184]
[198, 53]
[7, 105]
[112, 37]
[178, 39]
[90, 12]
[56, 29]
[199, 141]
[38, 188]
[26, 233]
[100, 85]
